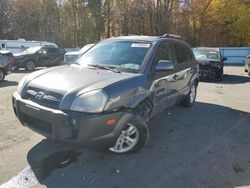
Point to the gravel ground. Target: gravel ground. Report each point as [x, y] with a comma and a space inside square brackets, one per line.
[205, 146]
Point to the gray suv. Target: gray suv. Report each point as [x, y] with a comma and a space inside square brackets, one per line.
[110, 93]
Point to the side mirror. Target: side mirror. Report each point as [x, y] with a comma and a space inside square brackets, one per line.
[164, 65]
[224, 59]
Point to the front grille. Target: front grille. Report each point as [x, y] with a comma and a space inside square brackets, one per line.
[43, 97]
[206, 67]
[37, 124]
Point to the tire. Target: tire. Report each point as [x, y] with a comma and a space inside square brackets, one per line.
[2, 75]
[133, 136]
[221, 78]
[30, 66]
[220, 75]
[189, 100]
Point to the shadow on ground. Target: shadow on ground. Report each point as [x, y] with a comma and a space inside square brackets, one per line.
[235, 79]
[7, 83]
[205, 146]
[230, 79]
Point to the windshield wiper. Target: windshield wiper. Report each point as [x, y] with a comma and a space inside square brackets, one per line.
[103, 68]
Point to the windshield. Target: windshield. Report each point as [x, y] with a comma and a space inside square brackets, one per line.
[33, 49]
[125, 56]
[207, 54]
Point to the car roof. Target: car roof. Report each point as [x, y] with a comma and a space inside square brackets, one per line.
[144, 38]
[137, 37]
[208, 48]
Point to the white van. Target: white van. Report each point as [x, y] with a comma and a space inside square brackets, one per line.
[20, 45]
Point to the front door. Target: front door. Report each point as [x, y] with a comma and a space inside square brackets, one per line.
[164, 85]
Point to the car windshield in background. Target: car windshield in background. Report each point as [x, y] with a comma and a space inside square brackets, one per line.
[125, 56]
[206, 54]
[33, 49]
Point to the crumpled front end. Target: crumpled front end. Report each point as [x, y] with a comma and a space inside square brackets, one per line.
[210, 70]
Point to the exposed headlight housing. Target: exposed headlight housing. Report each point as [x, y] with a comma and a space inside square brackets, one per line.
[90, 102]
[21, 85]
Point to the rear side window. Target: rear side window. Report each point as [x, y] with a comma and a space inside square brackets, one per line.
[182, 53]
[3, 46]
[165, 52]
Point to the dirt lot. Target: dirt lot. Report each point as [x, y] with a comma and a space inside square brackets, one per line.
[205, 146]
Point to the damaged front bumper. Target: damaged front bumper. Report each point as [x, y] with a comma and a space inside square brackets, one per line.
[210, 72]
[68, 126]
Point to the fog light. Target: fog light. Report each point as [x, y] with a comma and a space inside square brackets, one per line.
[111, 122]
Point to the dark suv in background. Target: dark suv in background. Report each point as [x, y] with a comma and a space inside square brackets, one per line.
[33, 57]
[211, 63]
[110, 93]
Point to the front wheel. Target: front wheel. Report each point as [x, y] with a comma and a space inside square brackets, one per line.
[132, 138]
[30, 66]
[189, 100]
[2, 75]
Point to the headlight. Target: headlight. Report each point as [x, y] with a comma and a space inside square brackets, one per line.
[20, 85]
[92, 102]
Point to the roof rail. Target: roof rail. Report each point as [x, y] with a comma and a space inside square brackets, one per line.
[171, 36]
[127, 34]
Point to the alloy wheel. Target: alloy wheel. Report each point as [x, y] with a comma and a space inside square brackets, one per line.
[127, 140]
[30, 66]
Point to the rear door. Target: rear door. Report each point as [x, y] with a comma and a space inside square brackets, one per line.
[185, 65]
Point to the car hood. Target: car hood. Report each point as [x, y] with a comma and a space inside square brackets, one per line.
[21, 55]
[73, 79]
[75, 53]
[208, 61]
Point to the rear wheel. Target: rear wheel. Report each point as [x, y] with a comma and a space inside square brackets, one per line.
[189, 100]
[2, 75]
[132, 138]
[30, 66]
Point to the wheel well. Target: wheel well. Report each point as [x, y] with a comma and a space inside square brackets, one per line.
[145, 104]
[30, 60]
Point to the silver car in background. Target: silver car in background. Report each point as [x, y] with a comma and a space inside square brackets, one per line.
[247, 65]
[72, 56]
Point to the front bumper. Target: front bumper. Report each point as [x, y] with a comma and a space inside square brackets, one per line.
[209, 72]
[69, 127]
